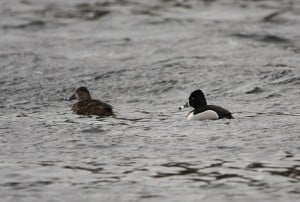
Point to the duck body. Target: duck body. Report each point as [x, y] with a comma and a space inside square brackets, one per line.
[92, 107]
[88, 106]
[202, 111]
[209, 112]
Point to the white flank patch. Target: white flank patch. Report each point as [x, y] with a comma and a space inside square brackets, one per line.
[206, 115]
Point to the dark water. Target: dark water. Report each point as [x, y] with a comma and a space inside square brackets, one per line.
[144, 58]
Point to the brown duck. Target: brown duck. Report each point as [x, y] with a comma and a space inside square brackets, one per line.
[88, 106]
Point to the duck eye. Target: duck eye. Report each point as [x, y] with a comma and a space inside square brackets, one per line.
[193, 98]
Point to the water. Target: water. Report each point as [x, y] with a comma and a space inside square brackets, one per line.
[144, 58]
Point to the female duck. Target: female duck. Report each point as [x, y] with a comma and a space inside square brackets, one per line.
[88, 106]
[202, 111]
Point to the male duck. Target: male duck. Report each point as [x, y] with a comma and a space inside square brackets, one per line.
[203, 111]
[88, 106]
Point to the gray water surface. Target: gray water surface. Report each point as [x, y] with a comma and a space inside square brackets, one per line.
[144, 58]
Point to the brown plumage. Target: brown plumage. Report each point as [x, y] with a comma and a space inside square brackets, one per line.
[88, 106]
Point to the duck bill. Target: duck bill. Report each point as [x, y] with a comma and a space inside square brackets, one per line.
[72, 97]
[184, 106]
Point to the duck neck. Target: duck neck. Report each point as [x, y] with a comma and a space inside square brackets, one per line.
[84, 97]
[199, 104]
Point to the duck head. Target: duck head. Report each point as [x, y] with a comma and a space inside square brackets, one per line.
[196, 100]
[82, 93]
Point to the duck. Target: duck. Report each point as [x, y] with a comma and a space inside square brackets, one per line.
[202, 111]
[88, 106]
